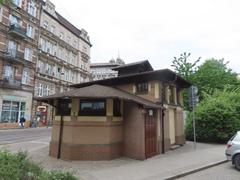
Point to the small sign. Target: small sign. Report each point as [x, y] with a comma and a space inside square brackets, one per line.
[42, 108]
[150, 112]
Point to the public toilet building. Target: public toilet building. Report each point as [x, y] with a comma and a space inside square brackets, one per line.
[137, 115]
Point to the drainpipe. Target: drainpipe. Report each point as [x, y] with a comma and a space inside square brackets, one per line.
[162, 116]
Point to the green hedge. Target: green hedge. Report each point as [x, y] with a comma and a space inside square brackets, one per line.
[217, 118]
[17, 166]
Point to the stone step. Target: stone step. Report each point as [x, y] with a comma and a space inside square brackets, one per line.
[173, 147]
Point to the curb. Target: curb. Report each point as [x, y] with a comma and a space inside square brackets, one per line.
[24, 129]
[195, 170]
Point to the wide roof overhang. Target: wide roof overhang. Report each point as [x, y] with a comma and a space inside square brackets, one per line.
[163, 75]
[100, 92]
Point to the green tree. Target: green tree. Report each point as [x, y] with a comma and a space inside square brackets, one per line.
[217, 117]
[183, 66]
[214, 75]
[186, 69]
[5, 1]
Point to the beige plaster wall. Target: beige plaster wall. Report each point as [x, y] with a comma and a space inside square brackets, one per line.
[134, 132]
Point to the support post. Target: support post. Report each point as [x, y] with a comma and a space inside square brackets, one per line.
[163, 96]
[60, 138]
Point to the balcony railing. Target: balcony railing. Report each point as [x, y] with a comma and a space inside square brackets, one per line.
[17, 30]
[14, 55]
[10, 82]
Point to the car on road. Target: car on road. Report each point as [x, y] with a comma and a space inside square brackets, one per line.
[233, 150]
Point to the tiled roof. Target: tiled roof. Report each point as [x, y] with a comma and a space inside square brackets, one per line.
[103, 64]
[138, 63]
[164, 75]
[99, 91]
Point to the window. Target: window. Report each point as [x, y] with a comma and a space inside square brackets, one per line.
[45, 87]
[75, 44]
[85, 49]
[25, 76]
[68, 40]
[28, 54]
[61, 35]
[179, 97]
[30, 31]
[12, 48]
[92, 108]
[64, 107]
[32, 8]
[171, 94]
[8, 72]
[14, 20]
[12, 111]
[142, 87]
[40, 90]
[45, 24]
[17, 3]
[116, 107]
[47, 90]
[52, 30]
[66, 75]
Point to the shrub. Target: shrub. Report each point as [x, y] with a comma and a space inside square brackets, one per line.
[17, 166]
[58, 175]
[217, 118]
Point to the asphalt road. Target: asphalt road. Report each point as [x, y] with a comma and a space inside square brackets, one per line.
[224, 171]
[22, 135]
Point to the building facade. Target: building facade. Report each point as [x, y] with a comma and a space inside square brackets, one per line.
[104, 70]
[19, 22]
[41, 53]
[64, 57]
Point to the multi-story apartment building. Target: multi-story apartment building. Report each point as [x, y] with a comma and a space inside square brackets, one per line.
[104, 70]
[19, 22]
[64, 56]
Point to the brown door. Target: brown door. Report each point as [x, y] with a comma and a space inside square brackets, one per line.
[150, 135]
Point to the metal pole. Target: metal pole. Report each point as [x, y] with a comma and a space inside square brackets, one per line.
[193, 117]
[194, 128]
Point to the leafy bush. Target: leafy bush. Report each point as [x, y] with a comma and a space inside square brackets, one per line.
[58, 175]
[18, 167]
[217, 118]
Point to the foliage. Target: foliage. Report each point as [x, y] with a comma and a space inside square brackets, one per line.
[214, 75]
[5, 1]
[185, 69]
[183, 66]
[58, 175]
[217, 117]
[18, 167]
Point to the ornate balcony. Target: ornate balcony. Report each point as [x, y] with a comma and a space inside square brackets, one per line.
[14, 56]
[17, 31]
[8, 82]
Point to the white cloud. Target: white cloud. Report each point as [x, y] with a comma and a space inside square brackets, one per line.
[158, 30]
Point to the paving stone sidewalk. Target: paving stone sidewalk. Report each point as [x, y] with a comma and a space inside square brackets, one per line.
[159, 167]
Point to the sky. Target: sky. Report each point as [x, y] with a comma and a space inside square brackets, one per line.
[158, 30]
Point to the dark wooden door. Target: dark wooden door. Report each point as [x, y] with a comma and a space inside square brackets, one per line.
[150, 136]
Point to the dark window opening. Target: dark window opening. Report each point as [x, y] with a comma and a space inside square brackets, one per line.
[116, 107]
[171, 94]
[92, 108]
[142, 87]
[64, 107]
[179, 96]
